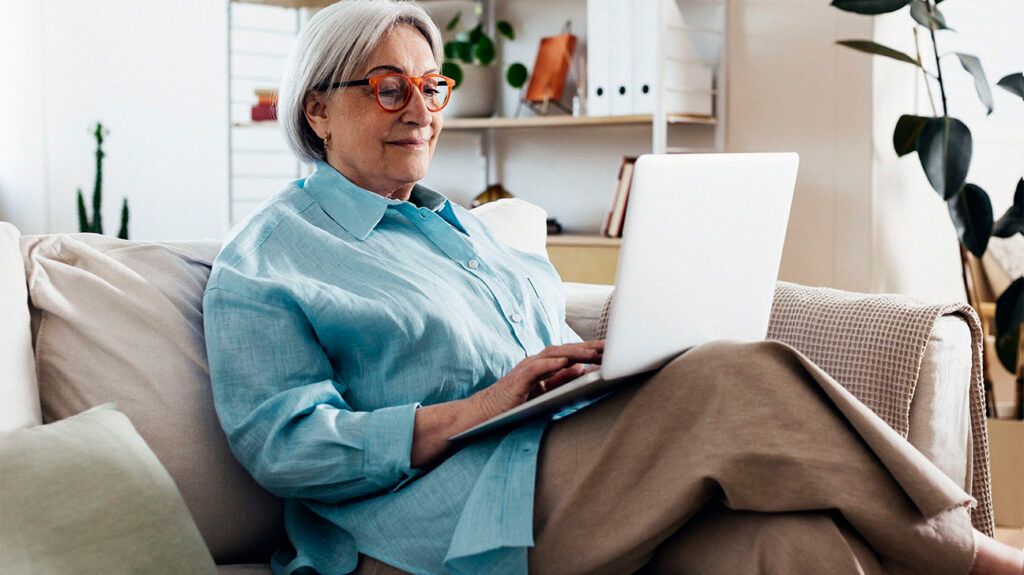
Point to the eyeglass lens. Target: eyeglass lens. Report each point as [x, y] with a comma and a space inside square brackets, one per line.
[394, 92]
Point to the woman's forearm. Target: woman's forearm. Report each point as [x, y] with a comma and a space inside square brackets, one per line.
[436, 423]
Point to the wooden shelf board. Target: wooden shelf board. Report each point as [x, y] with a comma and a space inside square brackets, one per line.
[583, 240]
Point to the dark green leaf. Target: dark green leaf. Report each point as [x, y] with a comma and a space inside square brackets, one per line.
[453, 71]
[944, 148]
[123, 232]
[1013, 83]
[971, 212]
[451, 50]
[476, 33]
[1009, 316]
[516, 75]
[973, 65]
[506, 29]
[904, 137]
[454, 21]
[1007, 346]
[1012, 221]
[920, 13]
[877, 49]
[870, 6]
[484, 51]
[83, 216]
[464, 51]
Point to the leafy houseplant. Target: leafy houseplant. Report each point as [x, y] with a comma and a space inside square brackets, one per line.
[943, 145]
[475, 47]
[96, 225]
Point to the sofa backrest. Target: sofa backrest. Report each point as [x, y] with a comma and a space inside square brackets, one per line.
[19, 394]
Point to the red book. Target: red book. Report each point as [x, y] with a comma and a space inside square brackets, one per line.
[262, 113]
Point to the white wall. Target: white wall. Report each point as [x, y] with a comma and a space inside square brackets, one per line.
[792, 89]
[155, 74]
[23, 157]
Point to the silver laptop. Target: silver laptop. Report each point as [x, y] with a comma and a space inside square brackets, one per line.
[700, 257]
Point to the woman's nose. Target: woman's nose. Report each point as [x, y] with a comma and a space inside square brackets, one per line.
[416, 111]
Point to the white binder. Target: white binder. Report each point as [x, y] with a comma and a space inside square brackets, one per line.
[621, 69]
[647, 53]
[599, 46]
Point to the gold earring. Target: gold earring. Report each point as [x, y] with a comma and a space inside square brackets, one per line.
[327, 140]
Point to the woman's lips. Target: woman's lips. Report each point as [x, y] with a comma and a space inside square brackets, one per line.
[410, 144]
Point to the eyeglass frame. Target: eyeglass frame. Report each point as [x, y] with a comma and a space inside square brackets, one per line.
[375, 81]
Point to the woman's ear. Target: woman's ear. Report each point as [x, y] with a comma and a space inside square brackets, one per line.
[314, 105]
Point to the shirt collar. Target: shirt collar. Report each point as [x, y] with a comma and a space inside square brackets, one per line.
[359, 210]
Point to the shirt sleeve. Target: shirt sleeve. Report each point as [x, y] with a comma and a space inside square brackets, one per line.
[284, 416]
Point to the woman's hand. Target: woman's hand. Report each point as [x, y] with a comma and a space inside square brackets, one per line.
[536, 375]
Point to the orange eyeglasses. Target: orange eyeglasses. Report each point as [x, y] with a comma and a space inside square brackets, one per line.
[394, 90]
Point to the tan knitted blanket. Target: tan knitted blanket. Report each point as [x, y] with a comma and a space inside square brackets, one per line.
[874, 346]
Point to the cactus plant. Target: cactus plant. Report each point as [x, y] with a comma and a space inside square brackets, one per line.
[96, 224]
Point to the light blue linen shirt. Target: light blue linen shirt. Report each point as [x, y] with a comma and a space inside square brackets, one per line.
[331, 315]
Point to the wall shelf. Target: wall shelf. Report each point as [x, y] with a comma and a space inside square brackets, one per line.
[543, 121]
[558, 121]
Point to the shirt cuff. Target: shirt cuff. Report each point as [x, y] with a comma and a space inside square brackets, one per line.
[388, 444]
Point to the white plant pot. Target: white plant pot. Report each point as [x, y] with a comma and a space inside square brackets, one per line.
[477, 95]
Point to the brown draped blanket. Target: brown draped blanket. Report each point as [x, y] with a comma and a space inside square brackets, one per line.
[874, 344]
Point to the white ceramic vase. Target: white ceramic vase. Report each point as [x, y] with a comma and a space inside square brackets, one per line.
[477, 95]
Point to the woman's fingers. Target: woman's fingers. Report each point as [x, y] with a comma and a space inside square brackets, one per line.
[563, 376]
[583, 352]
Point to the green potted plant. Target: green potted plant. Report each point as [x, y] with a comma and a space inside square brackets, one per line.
[943, 145]
[471, 58]
[95, 225]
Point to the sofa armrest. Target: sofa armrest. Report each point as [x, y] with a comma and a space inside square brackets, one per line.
[940, 412]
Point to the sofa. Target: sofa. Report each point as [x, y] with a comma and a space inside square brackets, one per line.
[91, 320]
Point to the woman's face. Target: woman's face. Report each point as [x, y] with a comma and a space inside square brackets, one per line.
[384, 152]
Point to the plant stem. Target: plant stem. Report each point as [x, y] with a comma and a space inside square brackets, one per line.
[938, 65]
[924, 73]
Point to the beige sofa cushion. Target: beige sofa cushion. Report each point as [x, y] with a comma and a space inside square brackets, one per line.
[86, 495]
[19, 395]
[121, 321]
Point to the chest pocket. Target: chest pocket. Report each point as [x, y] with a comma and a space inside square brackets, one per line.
[547, 302]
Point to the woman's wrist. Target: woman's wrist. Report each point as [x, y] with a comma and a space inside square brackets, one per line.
[436, 423]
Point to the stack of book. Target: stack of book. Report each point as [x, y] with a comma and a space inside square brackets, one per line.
[266, 105]
[620, 199]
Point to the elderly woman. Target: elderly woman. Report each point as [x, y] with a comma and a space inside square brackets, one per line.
[358, 319]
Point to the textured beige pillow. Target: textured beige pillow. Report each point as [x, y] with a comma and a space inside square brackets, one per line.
[19, 395]
[86, 495]
[121, 321]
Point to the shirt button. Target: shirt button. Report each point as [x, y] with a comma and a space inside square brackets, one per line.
[473, 264]
[516, 318]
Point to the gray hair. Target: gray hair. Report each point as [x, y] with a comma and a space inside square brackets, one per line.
[336, 42]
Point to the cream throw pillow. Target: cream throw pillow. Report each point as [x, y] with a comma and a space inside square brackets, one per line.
[86, 495]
